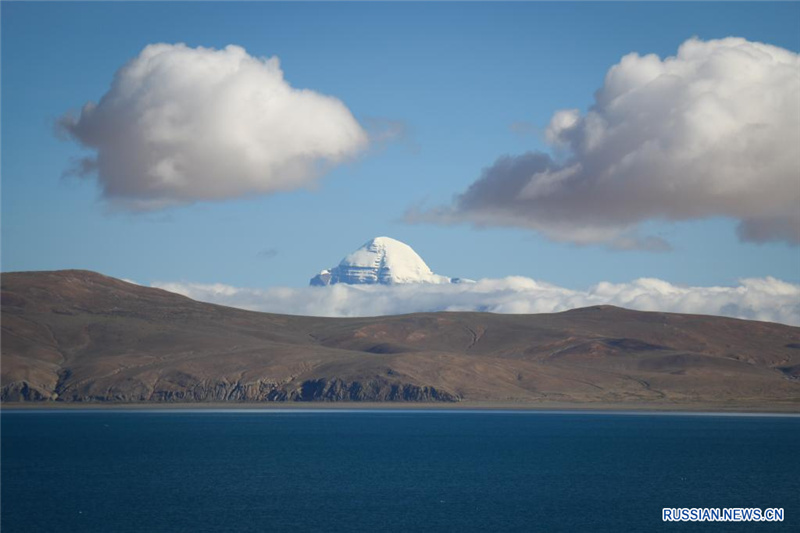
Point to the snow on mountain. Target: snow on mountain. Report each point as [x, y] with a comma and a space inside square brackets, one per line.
[384, 261]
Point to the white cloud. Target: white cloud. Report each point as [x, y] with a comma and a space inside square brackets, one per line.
[182, 124]
[765, 299]
[713, 131]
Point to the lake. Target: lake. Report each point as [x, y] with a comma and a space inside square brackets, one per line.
[253, 471]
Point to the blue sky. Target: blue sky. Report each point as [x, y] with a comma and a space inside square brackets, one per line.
[456, 75]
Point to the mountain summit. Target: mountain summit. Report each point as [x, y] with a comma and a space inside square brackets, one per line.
[384, 261]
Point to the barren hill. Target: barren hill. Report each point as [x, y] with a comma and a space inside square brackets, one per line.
[78, 336]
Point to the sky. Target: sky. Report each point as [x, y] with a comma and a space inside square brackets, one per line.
[425, 122]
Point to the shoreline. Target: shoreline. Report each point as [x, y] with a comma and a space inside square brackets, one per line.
[488, 406]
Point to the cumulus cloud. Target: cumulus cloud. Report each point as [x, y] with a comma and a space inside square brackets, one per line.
[712, 131]
[182, 124]
[767, 299]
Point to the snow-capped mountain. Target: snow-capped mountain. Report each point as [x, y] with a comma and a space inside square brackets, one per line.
[382, 260]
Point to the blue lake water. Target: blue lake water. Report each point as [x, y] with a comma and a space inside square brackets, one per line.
[106, 471]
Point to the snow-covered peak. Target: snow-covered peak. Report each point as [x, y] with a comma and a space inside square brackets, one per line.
[380, 260]
[396, 260]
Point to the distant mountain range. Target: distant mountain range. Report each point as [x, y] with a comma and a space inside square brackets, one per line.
[76, 336]
[383, 261]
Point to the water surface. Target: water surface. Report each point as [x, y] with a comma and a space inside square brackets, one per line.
[122, 471]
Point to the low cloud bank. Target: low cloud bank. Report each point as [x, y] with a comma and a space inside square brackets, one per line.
[767, 299]
[710, 132]
[181, 124]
